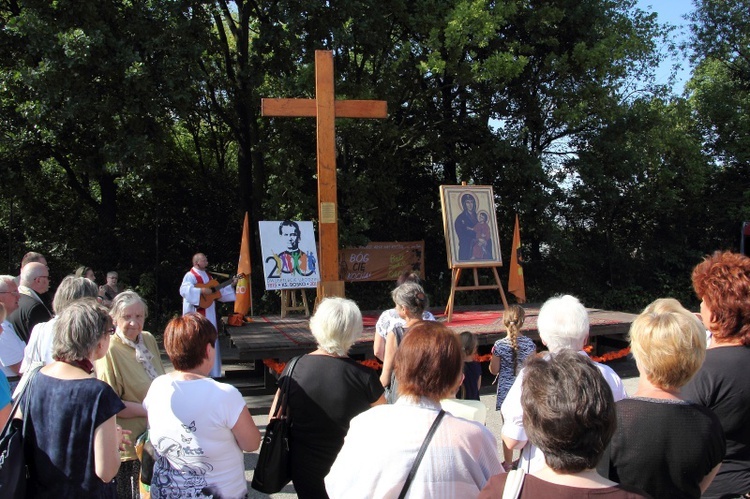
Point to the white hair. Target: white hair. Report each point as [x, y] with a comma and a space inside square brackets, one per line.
[336, 325]
[31, 271]
[563, 323]
[5, 280]
[124, 300]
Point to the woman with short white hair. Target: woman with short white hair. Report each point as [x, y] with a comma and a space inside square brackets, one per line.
[563, 324]
[327, 390]
[132, 362]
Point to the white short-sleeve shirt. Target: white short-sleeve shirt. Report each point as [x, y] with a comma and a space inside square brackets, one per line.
[390, 319]
[191, 429]
[11, 349]
[532, 459]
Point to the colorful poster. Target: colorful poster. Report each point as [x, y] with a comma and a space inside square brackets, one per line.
[290, 257]
[381, 261]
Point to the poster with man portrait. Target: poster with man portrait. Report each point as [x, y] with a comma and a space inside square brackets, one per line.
[470, 224]
[290, 257]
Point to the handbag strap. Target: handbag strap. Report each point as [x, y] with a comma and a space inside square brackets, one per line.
[284, 392]
[17, 402]
[514, 484]
[420, 454]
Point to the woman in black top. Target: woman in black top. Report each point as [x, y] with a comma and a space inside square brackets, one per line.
[72, 437]
[327, 390]
[664, 444]
[722, 281]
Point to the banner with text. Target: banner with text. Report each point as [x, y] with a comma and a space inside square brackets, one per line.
[381, 261]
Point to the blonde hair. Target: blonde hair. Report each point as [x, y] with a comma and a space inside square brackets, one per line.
[663, 305]
[513, 319]
[669, 347]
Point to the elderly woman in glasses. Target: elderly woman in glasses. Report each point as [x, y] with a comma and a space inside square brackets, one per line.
[5, 399]
[131, 364]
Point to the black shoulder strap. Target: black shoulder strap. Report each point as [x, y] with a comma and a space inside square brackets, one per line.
[26, 388]
[420, 454]
[284, 390]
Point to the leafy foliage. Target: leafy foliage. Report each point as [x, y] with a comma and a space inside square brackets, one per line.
[133, 136]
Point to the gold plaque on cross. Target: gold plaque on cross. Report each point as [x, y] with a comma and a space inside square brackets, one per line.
[328, 213]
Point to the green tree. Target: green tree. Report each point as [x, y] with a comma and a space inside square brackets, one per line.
[635, 217]
[89, 96]
[719, 93]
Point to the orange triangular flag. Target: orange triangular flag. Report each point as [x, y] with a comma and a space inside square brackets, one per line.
[244, 299]
[516, 285]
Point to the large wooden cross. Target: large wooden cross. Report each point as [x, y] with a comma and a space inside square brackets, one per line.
[326, 109]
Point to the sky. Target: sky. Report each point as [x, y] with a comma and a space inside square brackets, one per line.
[672, 12]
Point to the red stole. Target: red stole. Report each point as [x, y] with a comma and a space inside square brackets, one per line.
[199, 278]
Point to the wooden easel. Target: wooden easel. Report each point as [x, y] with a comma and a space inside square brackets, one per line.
[456, 275]
[289, 302]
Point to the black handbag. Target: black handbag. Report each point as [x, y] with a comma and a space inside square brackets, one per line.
[13, 470]
[146, 453]
[273, 472]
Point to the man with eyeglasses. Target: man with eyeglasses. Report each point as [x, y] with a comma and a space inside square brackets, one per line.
[31, 308]
[11, 346]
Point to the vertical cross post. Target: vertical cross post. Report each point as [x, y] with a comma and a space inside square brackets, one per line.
[325, 108]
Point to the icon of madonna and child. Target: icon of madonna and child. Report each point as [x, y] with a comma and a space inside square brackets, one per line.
[473, 231]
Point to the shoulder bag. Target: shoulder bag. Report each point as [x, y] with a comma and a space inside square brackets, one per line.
[146, 453]
[272, 472]
[13, 472]
[420, 454]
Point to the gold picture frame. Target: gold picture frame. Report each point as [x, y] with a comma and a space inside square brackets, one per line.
[471, 237]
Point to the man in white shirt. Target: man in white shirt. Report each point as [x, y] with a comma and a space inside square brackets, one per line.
[11, 346]
[563, 323]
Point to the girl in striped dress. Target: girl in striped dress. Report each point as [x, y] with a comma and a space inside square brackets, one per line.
[508, 356]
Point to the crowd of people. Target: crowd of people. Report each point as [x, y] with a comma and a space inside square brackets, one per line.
[94, 384]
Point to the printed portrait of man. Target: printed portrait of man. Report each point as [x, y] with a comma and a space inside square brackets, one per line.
[294, 261]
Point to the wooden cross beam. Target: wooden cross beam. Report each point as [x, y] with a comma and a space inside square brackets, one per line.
[326, 109]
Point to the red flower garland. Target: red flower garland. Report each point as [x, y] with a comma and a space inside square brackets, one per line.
[278, 367]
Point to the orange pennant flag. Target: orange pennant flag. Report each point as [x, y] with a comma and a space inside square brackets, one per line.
[516, 285]
[244, 299]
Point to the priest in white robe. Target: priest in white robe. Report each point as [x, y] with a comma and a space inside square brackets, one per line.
[191, 300]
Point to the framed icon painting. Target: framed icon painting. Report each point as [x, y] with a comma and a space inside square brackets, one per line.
[470, 224]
